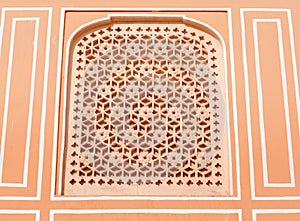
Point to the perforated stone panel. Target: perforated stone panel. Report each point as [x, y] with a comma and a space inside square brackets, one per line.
[146, 112]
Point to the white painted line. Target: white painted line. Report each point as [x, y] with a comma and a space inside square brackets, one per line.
[248, 114]
[27, 8]
[2, 28]
[265, 9]
[38, 216]
[11, 211]
[235, 112]
[276, 198]
[56, 114]
[12, 185]
[44, 106]
[151, 198]
[32, 87]
[18, 198]
[275, 211]
[260, 104]
[294, 62]
[144, 9]
[286, 110]
[148, 211]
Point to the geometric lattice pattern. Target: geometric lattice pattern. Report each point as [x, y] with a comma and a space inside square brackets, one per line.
[146, 112]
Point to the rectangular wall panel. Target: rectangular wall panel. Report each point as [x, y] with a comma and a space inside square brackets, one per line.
[146, 215]
[276, 215]
[24, 61]
[24, 215]
[15, 217]
[18, 106]
[271, 102]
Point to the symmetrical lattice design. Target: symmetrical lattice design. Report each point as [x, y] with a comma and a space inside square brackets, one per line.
[146, 112]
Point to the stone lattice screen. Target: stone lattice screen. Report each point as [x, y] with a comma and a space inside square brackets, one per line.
[146, 112]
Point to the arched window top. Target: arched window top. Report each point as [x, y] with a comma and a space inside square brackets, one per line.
[146, 111]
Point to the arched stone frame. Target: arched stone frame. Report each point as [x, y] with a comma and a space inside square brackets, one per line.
[81, 176]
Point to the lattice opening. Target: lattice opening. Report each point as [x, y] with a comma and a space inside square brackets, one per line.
[146, 113]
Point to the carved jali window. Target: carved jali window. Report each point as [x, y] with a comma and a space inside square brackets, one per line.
[146, 110]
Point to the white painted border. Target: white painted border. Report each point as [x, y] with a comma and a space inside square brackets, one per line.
[242, 19]
[232, 71]
[44, 101]
[17, 212]
[148, 211]
[273, 211]
[294, 63]
[7, 95]
[234, 107]
[260, 102]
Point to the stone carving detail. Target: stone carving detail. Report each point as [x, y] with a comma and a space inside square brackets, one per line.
[145, 110]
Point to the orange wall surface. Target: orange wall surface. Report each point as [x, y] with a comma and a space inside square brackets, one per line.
[262, 50]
